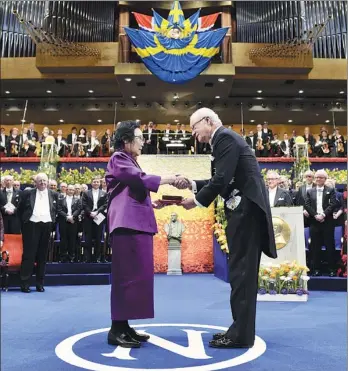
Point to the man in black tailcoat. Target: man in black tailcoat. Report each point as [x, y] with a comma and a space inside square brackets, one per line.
[237, 179]
[38, 209]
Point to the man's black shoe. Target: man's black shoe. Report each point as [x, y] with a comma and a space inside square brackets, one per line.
[123, 340]
[219, 335]
[136, 336]
[40, 288]
[25, 289]
[227, 344]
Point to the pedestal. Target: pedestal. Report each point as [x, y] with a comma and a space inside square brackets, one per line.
[174, 262]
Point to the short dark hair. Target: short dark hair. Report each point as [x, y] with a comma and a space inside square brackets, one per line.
[125, 133]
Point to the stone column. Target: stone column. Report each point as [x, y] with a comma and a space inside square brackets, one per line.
[123, 40]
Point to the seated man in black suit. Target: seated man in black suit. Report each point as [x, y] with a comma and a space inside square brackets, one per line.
[38, 209]
[276, 195]
[320, 204]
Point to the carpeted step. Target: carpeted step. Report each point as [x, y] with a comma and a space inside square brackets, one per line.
[324, 283]
[66, 279]
[78, 268]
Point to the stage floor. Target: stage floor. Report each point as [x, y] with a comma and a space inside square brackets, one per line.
[38, 328]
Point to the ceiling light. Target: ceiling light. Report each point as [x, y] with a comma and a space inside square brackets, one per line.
[258, 98]
[300, 91]
[7, 114]
[217, 97]
[259, 91]
[176, 120]
[317, 114]
[7, 92]
[221, 79]
[289, 120]
[61, 120]
[342, 92]
[327, 121]
[100, 120]
[128, 79]
[48, 91]
[252, 120]
[91, 91]
[133, 97]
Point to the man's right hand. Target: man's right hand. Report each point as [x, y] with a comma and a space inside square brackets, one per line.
[305, 213]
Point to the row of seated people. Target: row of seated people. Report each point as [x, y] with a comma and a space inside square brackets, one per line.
[267, 144]
[79, 213]
[80, 143]
[29, 144]
[83, 144]
[324, 212]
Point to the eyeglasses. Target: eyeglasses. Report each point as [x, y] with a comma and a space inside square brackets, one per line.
[196, 123]
[272, 178]
[140, 137]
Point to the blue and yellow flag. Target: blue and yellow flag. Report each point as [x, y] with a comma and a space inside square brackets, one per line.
[174, 50]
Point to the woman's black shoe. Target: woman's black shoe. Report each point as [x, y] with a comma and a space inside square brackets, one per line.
[123, 340]
[136, 336]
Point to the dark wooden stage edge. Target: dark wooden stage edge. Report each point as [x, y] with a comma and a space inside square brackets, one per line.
[274, 163]
[106, 159]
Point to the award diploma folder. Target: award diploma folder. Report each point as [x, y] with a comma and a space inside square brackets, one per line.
[171, 200]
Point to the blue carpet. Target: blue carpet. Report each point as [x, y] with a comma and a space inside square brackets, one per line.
[298, 336]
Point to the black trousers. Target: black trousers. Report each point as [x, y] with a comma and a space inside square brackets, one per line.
[35, 246]
[322, 234]
[246, 229]
[68, 238]
[92, 231]
[12, 224]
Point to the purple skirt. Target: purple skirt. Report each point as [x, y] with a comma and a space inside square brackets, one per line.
[132, 275]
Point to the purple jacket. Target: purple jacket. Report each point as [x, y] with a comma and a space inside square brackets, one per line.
[129, 194]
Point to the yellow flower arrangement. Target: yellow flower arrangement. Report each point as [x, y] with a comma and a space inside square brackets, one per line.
[284, 278]
[220, 225]
[71, 176]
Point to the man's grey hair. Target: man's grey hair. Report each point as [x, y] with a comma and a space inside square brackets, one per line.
[207, 112]
[321, 172]
[273, 173]
[308, 172]
[40, 176]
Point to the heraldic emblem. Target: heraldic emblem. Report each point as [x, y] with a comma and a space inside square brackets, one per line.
[176, 49]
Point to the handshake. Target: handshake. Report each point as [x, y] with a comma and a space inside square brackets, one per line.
[180, 182]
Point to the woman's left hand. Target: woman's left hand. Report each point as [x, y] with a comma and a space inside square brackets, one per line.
[157, 204]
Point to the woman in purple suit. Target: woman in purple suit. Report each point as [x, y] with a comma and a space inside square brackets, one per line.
[132, 224]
